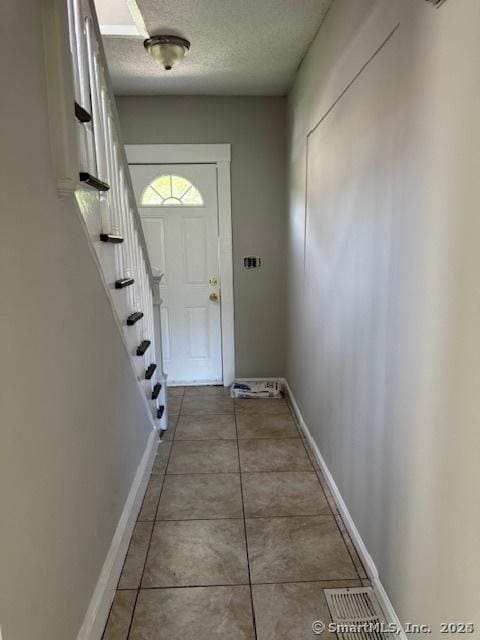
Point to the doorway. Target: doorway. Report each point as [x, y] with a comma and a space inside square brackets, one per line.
[183, 213]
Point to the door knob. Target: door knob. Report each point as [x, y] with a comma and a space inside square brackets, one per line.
[213, 297]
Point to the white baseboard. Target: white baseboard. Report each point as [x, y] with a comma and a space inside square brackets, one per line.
[360, 546]
[277, 379]
[194, 383]
[99, 607]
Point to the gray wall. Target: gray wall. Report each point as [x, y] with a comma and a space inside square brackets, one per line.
[255, 127]
[73, 423]
[383, 314]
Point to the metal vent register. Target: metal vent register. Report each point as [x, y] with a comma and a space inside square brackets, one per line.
[357, 614]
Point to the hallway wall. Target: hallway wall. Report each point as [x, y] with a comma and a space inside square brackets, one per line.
[384, 304]
[256, 129]
[73, 423]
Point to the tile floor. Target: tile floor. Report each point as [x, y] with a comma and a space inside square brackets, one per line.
[238, 534]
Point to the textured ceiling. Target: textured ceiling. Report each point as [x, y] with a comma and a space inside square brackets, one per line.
[238, 47]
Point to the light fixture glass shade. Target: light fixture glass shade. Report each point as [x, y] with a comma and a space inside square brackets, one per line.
[167, 50]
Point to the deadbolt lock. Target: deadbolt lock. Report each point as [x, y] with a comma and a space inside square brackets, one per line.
[213, 281]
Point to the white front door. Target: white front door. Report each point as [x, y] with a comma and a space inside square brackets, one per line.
[178, 205]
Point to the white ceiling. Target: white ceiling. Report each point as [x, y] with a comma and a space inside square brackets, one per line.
[238, 47]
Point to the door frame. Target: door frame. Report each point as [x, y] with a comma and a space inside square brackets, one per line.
[219, 155]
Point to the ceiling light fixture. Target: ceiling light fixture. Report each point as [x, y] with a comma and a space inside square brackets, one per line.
[167, 50]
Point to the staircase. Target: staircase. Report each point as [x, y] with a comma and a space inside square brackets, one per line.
[106, 199]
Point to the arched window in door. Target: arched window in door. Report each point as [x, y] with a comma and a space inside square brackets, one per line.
[171, 191]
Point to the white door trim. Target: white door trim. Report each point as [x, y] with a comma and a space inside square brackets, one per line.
[218, 154]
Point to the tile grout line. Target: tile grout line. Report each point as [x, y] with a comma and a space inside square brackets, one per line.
[239, 439]
[333, 512]
[343, 532]
[151, 535]
[246, 584]
[245, 527]
[217, 473]
[270, 517]
[329, 499]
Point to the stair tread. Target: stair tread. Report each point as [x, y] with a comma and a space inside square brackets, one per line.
[93, 181]
[82, 114]
[123, 282]
[112, 238]
[134, 317]
[150, 371]
[142, 347]
[156, 391]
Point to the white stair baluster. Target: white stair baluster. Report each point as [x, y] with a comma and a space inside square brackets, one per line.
[102, 156]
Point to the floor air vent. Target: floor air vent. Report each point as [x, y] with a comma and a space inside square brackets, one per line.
[357, 614]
